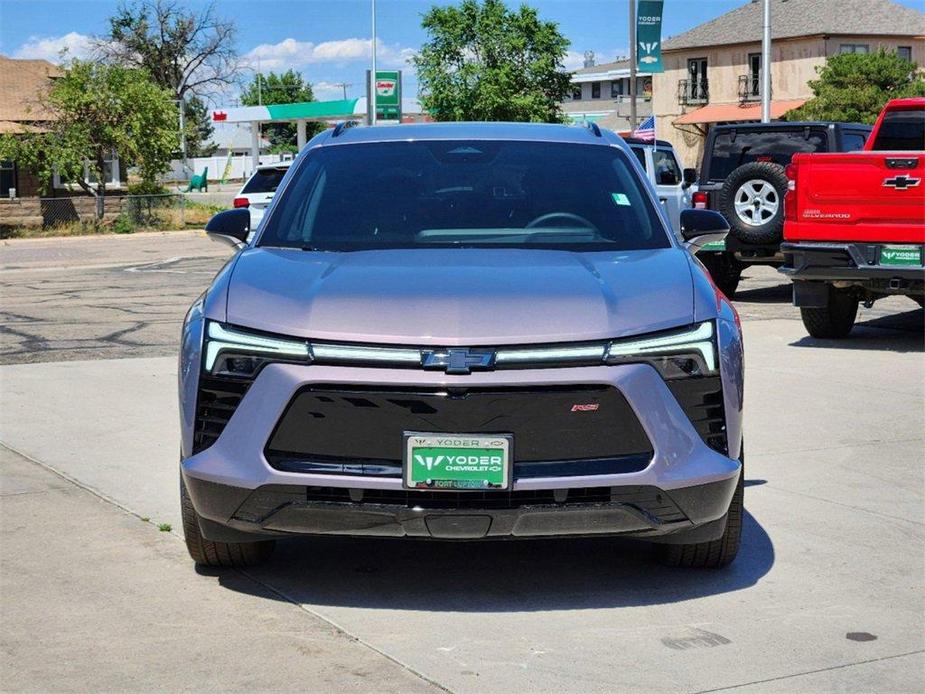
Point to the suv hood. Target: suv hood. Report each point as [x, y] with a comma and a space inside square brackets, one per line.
[460, 296]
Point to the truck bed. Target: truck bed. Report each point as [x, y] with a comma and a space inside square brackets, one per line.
[871, 196]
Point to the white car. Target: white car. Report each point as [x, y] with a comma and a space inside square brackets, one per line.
[258, 192]
[674, 185]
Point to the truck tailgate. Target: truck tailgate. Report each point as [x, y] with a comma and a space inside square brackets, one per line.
[859, 196]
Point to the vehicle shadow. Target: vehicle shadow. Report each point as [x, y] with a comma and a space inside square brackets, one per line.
[493, 576]
[897, 332]
[766, 294]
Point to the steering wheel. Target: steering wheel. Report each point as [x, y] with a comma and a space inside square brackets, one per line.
[561, 215]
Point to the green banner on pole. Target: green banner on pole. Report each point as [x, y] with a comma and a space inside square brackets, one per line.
[649, 36]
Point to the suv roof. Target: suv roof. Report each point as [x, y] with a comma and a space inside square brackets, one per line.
[277, 165]
[530, 132]
[653, 143]
[788, 124]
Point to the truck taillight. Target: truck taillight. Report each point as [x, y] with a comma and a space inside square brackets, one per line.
[790, 197]
[241, 202]
[701, 200]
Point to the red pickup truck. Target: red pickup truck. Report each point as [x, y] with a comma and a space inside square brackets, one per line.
[854, 223]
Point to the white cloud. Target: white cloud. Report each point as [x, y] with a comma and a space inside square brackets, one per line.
[54, 48]
[327, 91]
[290, 53]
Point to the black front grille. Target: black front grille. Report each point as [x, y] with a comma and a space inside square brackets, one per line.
[360, 431]
[266, 501]
[702, 402]
[216, 401]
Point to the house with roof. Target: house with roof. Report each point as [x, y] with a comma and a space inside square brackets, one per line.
[23, 84]
[713, 71]
[601, 94]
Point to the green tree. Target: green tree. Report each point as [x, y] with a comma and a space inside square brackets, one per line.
[192, 54]
[198, 128]
[484, 62]
[853, 87]
[99, 109]
[285, 88]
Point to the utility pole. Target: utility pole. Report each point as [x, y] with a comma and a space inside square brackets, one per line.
[182, 104]
[372, 73]
[632, 5]
[343, 85]
[766, 65]
[259, 84]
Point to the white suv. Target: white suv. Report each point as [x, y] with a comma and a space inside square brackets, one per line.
[257, 193]
[673, 185]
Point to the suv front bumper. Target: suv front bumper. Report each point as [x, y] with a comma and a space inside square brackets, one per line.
[686, 486]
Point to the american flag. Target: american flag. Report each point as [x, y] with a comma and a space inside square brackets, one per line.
[646, 129]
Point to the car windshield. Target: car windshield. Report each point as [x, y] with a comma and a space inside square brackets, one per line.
[465, 194]
[734, 148]
[902, 131]
[265, 180]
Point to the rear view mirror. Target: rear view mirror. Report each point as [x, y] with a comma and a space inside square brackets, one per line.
[230, 226]
[700, 227]
[690, 177]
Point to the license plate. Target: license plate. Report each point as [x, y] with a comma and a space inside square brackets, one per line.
[714, 246]
[900, 255]
[457, 461]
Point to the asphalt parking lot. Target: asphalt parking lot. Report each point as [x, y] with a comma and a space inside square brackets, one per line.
[826, 595]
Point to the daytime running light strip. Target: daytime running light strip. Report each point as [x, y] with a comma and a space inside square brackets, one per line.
[221, 338]
[366, 354]
[554, 354]
[699, 339]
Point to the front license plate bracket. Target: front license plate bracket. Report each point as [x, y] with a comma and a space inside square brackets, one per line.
[457, 462]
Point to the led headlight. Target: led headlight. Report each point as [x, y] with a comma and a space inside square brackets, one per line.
[690, 351]
[238, 353]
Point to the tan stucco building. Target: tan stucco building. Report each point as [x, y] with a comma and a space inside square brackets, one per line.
[712, 72]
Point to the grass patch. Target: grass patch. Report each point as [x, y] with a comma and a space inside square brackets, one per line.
[170, 213]
[164, 527]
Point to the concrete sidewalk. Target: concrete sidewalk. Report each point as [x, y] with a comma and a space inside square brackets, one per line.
[95, 599]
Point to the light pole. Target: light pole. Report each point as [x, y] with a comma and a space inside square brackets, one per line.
[766, 65]
[372, 73]
[632, 4]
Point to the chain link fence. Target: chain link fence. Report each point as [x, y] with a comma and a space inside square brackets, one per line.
[115, 213]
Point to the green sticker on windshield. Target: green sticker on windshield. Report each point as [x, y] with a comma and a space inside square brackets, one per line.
[620, 199]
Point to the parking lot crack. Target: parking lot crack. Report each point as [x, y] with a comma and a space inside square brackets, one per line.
[809, 672]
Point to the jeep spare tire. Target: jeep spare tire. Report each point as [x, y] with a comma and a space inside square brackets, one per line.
[752, 200]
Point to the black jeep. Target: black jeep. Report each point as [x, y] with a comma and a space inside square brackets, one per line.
[742, 176]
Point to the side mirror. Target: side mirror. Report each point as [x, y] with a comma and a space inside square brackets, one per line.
[230, 226]
[690, 177]
[667, 178]
[700, 227]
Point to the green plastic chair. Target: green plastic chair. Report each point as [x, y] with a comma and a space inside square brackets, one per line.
[199, 182]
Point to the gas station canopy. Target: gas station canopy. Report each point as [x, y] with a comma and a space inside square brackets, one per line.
[307, 110]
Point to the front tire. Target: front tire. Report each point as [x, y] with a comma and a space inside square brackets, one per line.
[713, 554]
[226, 555]
[835, 320]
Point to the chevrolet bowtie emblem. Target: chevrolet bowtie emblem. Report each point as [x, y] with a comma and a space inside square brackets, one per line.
[901, 182]
[459, 361]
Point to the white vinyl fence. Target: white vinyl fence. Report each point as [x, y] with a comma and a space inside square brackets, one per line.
[241, 167]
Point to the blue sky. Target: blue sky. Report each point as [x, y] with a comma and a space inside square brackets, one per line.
[328, 40]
